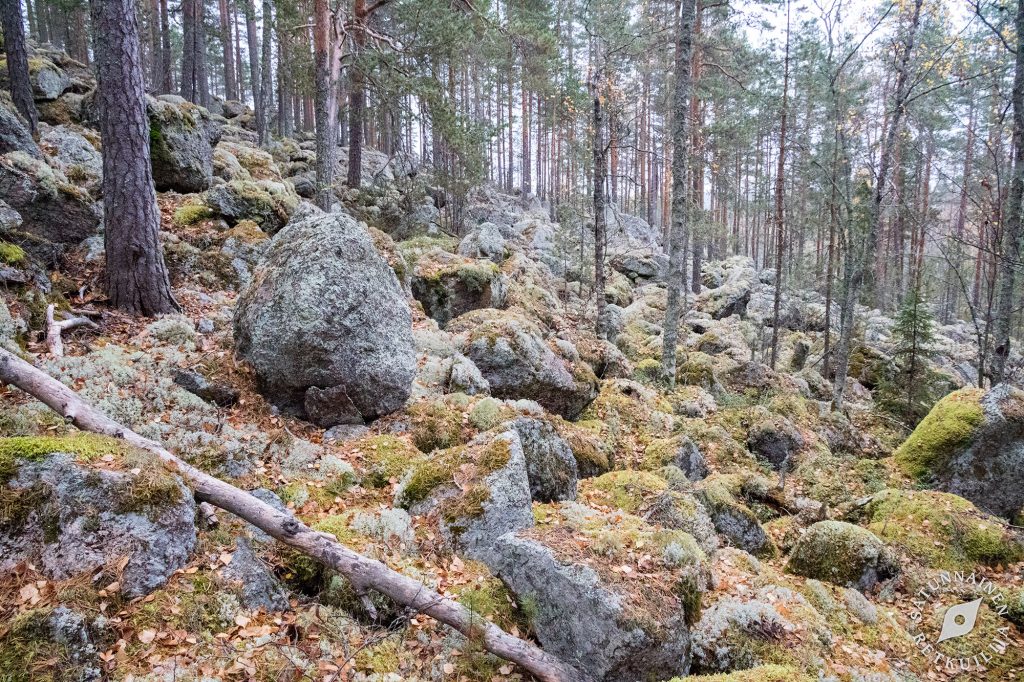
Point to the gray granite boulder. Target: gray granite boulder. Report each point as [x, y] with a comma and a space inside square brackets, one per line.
[182, 137]
[550, 464]
[325, 324]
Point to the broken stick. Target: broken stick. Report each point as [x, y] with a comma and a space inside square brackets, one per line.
[363, 572]
[54, 328]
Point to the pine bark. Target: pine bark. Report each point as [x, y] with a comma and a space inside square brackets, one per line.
[780, 239]
[678, 234]
[230, 85]
[266, 74]
[17, 61]
[137, 280]
[357, 97]
[326, 103]
[1011, 238]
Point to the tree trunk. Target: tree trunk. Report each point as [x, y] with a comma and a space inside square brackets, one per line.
[600, 153]
[1011, 237]
[326, 65]
[189, 64]
[230, 86]
[165, 48]
[252, 38]
[858, 265]
[680, 218]
[17, 61]
[364, 573]
[357, 97]
[780, 239]
[137, 280]
[266, 73]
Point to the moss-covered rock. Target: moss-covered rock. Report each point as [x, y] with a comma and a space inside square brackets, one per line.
[941, 531]
[436, 425]
[763, 673]
[11, 254]
[181, 139]
[52, 645]
[844, 554]
[449, 285]
[190, 214]
[385, 458]
[972, 444]
[578, 570]
[268, 204]
[733, 519]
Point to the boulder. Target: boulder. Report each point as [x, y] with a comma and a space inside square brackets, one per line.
[325, 312]
[775, 441]
[48, 80]
[74, 155]
[484, 241]
[678, 451]
[550, 465]
[69, 518]
[733, 520]
[478, 491]
[584, 612]
[50, 206]
[636, 266]
[517, 362]
[257, 586]
[844, 554]
[181, 139]
[971, 444]
[267, 203]
[449, 285]
[14, 135]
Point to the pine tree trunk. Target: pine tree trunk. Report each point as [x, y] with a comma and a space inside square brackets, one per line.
[252, 38]
[137, 279]
[357, 97]
[165, 48]
[189, 38]
[326, 103]
[1011, 237]
[266, 73]
[780, 240]
[230, 86]
[680, 210]
[17, 61]
[600, 153]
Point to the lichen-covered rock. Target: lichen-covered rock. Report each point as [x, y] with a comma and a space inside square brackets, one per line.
[484, 241]
[325, 312]
[516, 361]
[257, 587]
[70, 518]
[14, 134]
[844, 554]
[650, 497]
[478, 492]
[941, 530]
[48, 80]
[50, 206]
[775, 441]
[269, 204]
[737, 635]
[181, 140]
[550, 465]
[972, 445]
[678, 451]
[36, 643]
[74, 154]
[612, 628]
[733, 520]
[449, 286]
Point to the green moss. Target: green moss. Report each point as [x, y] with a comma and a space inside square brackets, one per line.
[386, 458]
[440, 470]
[84, 446]
[381, 658]
[491, 600]
[486, 414]
[192, 603]
[942, 531]
[11, 254]
[948, 427]
[190, 214]
[697, 369]
[29, 654]
[839, 553]
[764, 673]
[649, 371]
[629, 490]
[435, 425]
[149, 491]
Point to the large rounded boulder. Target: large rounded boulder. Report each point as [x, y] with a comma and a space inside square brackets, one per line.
[971, 444]
[326, 326]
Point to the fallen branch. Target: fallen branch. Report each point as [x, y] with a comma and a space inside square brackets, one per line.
[363, 572]
[54, 328]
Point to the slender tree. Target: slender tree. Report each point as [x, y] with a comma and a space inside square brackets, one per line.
[680, 210]
[327, 65]
[780, 195]
[137, 279]
[1013, 231]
